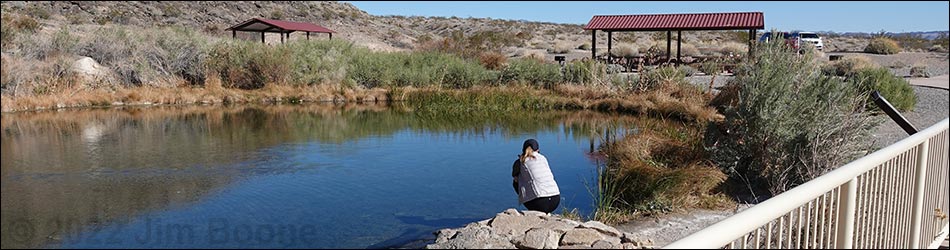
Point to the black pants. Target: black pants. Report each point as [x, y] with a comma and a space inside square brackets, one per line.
[544, 204]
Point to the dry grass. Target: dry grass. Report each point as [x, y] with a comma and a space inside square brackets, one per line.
[733, 48]
[493, 60]
[184, 94]
[561, 48]
[848, 65]
[625, 50]
[660, 169]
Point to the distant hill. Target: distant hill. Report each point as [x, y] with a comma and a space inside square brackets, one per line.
[929, 35]
[390, 33]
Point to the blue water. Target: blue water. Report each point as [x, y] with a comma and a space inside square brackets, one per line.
[384, 188]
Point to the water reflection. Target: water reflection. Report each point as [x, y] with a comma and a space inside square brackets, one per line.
[357, 176]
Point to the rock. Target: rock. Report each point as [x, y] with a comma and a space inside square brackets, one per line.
[474, 237]
[557, 225]
[575, 247]
[603, 244]
[87, 67]
[513, 225]
[534, 213]
[581, 236]
[445, 235]
[610, 231]
[539, 238]
[628, 245]
[511, 211]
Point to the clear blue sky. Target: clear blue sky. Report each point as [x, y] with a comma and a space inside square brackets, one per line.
[861, 16]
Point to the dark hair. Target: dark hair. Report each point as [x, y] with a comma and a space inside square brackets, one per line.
[530, 142]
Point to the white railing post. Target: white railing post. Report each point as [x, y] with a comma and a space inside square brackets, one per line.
[919, 183]
[847, 201]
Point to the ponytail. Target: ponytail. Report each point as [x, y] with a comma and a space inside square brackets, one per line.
[527, 153]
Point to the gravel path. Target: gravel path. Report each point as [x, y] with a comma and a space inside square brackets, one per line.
[932, 106]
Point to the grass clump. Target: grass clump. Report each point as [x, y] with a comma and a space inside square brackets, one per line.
[662, 168]
[883, 45]
[895, 89]
[710, 67]
[531, 72]
[625, 50]
[785, 123]
[847, 66]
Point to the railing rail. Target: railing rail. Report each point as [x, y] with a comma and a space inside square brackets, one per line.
[896, 197]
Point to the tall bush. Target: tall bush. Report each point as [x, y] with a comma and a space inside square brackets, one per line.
[530, 71]
[786, 123]
[883, 45]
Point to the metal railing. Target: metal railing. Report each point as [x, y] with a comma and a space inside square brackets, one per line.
[896, 197]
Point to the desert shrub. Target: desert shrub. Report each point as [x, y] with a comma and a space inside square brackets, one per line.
[493, 60]
[785, 123]
[847, 66]
[7, 34]
[937, 48]
[882, 45]
[895, 89]
[37, 11]
[919, 71]
[375, 69]
[710, 67]
[24, 23]
[625, 50]
[687, 70]
[663, 75]
[321, 62]
[148, 56]
[35, 77]
[583, 71]
[560, 48]
[463, 74]
[530, 71]
[249, 65]
[734, 49]
[687, 49]
[470, 46]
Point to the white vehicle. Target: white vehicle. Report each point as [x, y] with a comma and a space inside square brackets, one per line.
[811, 38]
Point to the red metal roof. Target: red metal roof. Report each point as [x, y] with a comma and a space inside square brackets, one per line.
[695, 21]
[261, 24]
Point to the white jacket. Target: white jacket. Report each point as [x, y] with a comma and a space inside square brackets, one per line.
[535, 179]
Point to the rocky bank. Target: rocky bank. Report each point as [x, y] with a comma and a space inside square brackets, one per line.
[536, 230]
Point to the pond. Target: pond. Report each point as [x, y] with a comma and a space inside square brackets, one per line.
[275, 176]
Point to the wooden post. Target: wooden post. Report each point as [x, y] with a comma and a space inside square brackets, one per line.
[262, 37]
[233, 34]
[679, 39]
[331, 36]
[751, 41]
[308, 35]
[593, 44]
[669, 34]
[610, 41]
[281, 37]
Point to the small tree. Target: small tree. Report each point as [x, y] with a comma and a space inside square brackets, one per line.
[786, 123]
